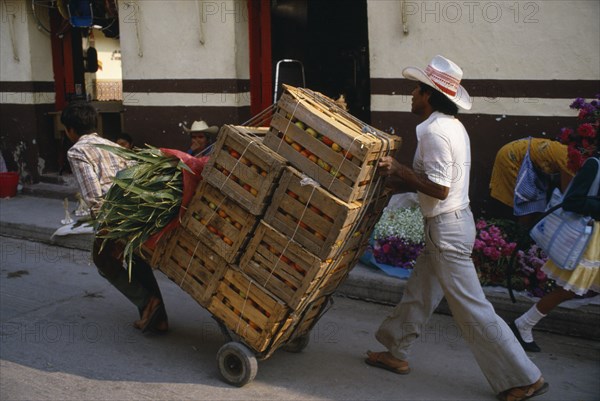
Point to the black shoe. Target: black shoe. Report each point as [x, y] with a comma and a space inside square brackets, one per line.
[529, 347]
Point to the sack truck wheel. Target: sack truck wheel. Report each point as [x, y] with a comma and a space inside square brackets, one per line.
[297, 344]
[237, 364]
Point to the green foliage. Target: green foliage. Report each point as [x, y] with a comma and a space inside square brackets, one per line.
[143, 199]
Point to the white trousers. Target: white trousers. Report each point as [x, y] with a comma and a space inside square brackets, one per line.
[445, 269]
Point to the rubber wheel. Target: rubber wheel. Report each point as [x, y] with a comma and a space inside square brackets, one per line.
[297, 344]
[237, 364]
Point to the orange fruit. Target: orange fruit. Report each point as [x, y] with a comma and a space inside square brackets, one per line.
[327, 141]
[319, 236]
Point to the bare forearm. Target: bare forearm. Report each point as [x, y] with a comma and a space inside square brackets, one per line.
[421, 183]
[407, 178]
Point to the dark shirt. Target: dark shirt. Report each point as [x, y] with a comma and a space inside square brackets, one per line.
[580, 188]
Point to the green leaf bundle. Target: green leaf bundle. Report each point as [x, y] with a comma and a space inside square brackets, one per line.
[143, 199]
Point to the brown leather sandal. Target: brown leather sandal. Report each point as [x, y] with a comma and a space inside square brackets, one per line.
[387, 361]
[151, 315]
[525, 392]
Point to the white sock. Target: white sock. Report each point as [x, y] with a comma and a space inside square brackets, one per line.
[526, 322]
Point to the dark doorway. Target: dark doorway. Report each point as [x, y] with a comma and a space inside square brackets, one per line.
[330, 39]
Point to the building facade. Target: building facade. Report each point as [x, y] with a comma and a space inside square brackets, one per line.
[185, 60]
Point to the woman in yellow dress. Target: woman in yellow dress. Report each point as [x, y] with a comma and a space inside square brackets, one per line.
[547, 156]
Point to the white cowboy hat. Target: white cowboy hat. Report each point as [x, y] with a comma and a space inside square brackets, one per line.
[444, 76]
[202, 126]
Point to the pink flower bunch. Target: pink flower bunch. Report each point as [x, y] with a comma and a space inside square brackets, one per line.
[491, 253]
[491, 241]
[529, 270]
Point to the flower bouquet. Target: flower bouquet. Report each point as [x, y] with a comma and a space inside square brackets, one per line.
[495, 243]
[581, 140]
[491, 253]
[530, 276]
[398, 237]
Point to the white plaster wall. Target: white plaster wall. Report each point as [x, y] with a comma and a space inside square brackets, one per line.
[40, 53]
[14, 67]
[111, 61]
[162, 40]
[242, 42]
[31, 58]
[488, 39]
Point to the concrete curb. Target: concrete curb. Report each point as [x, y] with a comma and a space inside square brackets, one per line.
[36, 219]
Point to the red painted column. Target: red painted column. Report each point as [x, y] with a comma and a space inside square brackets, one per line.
[261, 81]
[58, 60]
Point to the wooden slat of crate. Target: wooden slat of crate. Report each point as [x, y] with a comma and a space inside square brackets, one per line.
[310, 317]
[356, 174]
[301, 321]
[193, 266]
[248, 310]
[342, 267]
[368, 219]
[154, 256]
[311, 216]
[210, 209]
[250, 178]
[256, 131]
[282, 266]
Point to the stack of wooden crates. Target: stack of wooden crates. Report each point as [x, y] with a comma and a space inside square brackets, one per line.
[280, 219]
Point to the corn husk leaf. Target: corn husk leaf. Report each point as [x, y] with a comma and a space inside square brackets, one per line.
[143, 199]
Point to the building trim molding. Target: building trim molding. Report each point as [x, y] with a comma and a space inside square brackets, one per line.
[504, 88]
[186, 85]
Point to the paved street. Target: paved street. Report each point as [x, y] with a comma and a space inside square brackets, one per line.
[66, 334]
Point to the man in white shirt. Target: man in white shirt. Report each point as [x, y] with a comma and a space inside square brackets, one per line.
[440, 175]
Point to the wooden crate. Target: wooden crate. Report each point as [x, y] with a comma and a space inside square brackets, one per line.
[316, 219]
[259, 132]
[310, 316]
[152, 256]
[248, 310]
[311, 215]
[302, 321]
[243, 168]
[326, 143]
[369, 218]
[192, 265]
[219, 221]
[341, 268]
[282, 266]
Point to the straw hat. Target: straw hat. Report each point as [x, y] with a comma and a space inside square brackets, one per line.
[202, 126]
[444, 76]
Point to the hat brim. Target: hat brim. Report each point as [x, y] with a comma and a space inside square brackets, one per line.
[210, 130]
[461, 99]
[213, 130]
